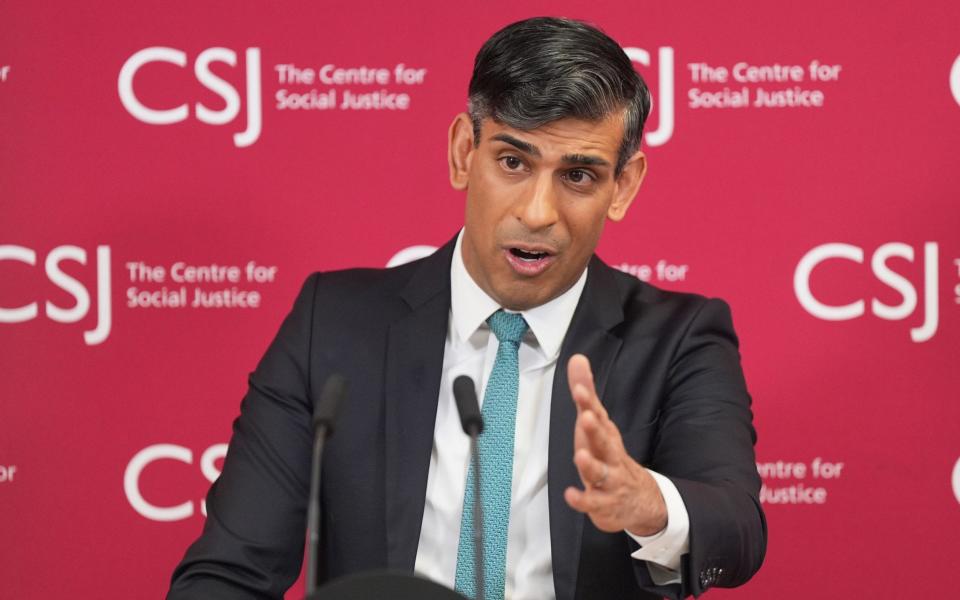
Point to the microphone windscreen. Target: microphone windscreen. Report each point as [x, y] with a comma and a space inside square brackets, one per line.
[325, 412]
[465, 394]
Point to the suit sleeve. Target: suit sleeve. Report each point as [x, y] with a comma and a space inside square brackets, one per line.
[705, 446]
[252, 541]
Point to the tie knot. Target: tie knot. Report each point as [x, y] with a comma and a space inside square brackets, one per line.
[508, 327]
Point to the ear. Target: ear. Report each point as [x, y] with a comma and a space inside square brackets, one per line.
[460, 150]
[627, 185]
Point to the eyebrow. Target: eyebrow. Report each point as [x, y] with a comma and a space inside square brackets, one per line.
[584, 159]
[521, 145]
[570, 159]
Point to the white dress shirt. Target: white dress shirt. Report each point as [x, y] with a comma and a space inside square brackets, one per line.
[470, 349]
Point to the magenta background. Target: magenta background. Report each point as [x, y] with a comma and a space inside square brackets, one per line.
[739, 195]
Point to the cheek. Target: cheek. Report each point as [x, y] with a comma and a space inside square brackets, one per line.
[488, 204]
[585, 223]
[482, 218]
[486, 178]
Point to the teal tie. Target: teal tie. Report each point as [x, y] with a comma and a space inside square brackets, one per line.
[495, 447]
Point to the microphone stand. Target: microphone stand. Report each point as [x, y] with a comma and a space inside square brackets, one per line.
[369, 584]
[465, 394]
[477, 518]
[324, 415]
[313, 509]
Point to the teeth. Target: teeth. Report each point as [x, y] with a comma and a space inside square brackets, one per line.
[528, 256]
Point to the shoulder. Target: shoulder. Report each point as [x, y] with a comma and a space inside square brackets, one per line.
[358, 288]
[377, 294]
[649, 308]
[362, 282]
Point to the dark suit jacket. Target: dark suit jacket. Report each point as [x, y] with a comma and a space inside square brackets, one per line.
[666, 367]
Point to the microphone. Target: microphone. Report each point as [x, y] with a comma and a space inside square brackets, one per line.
[325, 412]
[465, 394]
[324, 415]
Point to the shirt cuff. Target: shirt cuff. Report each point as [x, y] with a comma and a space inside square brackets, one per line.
[664, 549]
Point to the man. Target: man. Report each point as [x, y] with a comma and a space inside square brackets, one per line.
[618, 423]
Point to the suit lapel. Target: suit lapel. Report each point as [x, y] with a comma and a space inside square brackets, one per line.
[413, 368]
[598, 311]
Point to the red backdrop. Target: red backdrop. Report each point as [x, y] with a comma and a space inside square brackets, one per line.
[138, 141]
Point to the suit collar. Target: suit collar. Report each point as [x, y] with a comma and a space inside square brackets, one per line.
[431, 277]
[602, 303]
[471, 306]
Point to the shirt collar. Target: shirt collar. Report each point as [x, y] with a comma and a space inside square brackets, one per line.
[471, 306]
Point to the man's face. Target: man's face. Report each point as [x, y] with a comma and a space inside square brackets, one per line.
[537, 201]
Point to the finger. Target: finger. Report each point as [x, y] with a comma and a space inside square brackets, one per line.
[581, 501]
[578, 370]
[579, 373]
[598, 437]
[592, 471]
[583, 397]
[586, 399]
[580, 438]
[574, 499]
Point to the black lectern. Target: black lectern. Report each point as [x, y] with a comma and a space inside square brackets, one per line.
[383, 585]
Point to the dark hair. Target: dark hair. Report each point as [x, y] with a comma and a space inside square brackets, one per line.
[543, 69]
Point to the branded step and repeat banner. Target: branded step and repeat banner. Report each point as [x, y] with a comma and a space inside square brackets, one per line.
[170, 172]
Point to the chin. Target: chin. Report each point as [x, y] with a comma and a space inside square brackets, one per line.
[518, 300]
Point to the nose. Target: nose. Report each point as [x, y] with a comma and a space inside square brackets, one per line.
[537, 209]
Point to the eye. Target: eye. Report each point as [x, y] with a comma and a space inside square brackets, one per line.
[579, 177]
[510, 162]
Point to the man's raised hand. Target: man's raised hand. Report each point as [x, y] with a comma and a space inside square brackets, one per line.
[619, 494]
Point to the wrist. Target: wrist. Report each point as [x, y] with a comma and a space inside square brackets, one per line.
[651, 514]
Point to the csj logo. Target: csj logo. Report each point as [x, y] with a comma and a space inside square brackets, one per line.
[201, 68]
[955, 79]
[81, 296]
[664, 103]
[881, 270]
[151, 454]
[955, 480]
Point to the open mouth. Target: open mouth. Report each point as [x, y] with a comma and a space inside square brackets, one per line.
[528, 262]
[528, 256]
